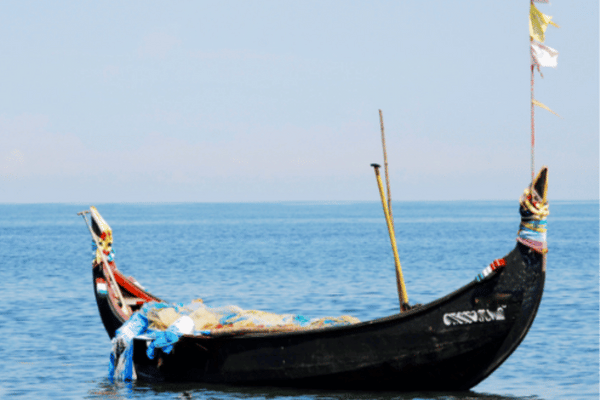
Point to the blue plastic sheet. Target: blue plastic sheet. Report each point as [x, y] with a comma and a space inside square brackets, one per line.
[121, 366]
[121, 356]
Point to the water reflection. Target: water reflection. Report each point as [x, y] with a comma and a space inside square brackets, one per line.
[107, 390]
[222, 392]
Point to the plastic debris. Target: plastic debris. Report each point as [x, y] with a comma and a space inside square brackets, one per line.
[166, 339]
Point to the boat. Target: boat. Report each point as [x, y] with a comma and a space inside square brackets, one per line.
[452, 343]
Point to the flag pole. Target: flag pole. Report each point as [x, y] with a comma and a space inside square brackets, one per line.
[532, 129]
[541, 56]
[532, 111]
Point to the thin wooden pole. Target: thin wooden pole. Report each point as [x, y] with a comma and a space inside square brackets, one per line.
[387, 176]
[532, 131]
[399, 277]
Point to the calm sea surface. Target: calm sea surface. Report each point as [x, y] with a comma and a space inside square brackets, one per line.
[315, 259]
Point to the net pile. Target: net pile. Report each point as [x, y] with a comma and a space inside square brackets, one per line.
[162, 325]
[213, 320]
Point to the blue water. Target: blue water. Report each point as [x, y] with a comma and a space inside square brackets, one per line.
[315, 259]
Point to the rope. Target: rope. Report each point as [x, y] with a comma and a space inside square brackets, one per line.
[538, 210]
[532, 230]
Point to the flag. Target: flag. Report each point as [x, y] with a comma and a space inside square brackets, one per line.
[542, 1]
[537, 103]
[538, 22]
[543, 56]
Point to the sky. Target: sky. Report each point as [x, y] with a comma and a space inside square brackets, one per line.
[268, 101]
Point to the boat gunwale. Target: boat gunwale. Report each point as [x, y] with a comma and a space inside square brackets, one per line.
[239, 334]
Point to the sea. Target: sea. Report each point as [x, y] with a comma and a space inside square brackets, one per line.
[311, 258]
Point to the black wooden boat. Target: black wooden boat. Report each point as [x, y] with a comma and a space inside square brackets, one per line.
[452, 343]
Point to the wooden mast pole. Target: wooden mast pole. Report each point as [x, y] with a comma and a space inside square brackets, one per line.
[399, 277]
[387, 176]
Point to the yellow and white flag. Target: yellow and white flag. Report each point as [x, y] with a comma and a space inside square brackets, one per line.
[537, 103]
[543, 56]
[538, 22]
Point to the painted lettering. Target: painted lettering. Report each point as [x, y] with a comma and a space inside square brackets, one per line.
[470, 317]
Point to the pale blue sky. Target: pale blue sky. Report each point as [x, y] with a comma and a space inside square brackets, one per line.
[152, 101]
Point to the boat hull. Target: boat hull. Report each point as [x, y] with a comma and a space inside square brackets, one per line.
[450, 344]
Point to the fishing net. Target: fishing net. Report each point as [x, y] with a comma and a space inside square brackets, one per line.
[213, 320]
[162, 325]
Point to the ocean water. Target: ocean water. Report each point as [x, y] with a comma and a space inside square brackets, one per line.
[315, 259]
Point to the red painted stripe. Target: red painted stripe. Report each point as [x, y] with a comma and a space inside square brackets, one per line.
[128, 285]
